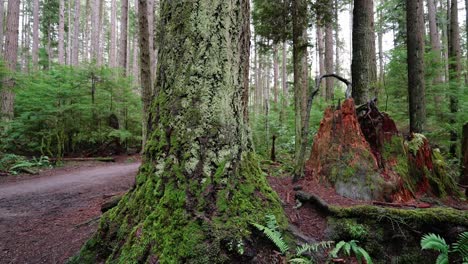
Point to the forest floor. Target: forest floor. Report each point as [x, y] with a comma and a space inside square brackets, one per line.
[46, 218]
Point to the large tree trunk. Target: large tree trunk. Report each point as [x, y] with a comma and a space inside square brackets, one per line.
[454, 54]
[415, 39]
[61, 33]
[299, 14]
[123, 37]
[10, 56]
[76, 33]
[363, 59]
[198, 189]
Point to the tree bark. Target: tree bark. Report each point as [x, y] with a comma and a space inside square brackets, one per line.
[76, 33]
[61, 33]
[329, 60]
[198, 188]
[150, 7]
[434, 37]
[10, 56]
[284, 80]
[145, 65]
[95, 30]
[415, 39]
[454, 54]
[123, 37]
[321, 56]
[299, 14]
[275, 73]
[363, 60]
[35, 46]
[2, 25]
[113, 36]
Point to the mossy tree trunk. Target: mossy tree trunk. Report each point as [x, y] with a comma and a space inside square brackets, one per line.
[199, 186]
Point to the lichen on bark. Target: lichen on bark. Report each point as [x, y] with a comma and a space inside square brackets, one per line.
[200, 186]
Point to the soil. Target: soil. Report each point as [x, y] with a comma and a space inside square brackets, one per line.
[46, 218]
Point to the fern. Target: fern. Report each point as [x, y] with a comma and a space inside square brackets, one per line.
[351, 247]
[461, 246]
[435, 242]
[313, 247]
[273, 234]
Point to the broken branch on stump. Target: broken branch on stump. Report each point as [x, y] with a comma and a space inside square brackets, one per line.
[299, 169]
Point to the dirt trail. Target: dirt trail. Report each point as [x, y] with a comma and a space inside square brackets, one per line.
[46, 219]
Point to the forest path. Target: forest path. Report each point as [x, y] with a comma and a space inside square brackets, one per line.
[46, 218]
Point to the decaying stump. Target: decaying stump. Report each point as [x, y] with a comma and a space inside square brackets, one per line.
[363, 156]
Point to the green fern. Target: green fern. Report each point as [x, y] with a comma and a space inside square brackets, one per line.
[313, 247]
[351, 247]
[461, 246]
[436, 242]
[273, 234]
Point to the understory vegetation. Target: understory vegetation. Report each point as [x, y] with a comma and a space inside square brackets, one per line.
[85, 110]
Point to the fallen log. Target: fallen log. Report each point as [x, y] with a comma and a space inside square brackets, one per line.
[435, 215]
[103, 159]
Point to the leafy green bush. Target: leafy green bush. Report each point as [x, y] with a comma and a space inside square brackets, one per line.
[72, 110]
[15, 164]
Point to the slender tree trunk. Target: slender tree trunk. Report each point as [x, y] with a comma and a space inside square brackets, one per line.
[321, 56]
[337, 40]
[69, 34]
[145, 65]
[123, 36]
[113, 35]
[61, 33]
[381, 54]
[76, 33]
[150, 8]
[10, 56]
[363, 68]
[2, 25]
[95, 30]
[199, 169]
[434, 37]
[329, 60]
[35, 47]
[299, 13]
[101, 38]
[284, 80]
[415, 39]
[275, 74]
[454, 71]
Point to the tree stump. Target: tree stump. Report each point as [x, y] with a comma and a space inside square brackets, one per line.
[361, 153]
